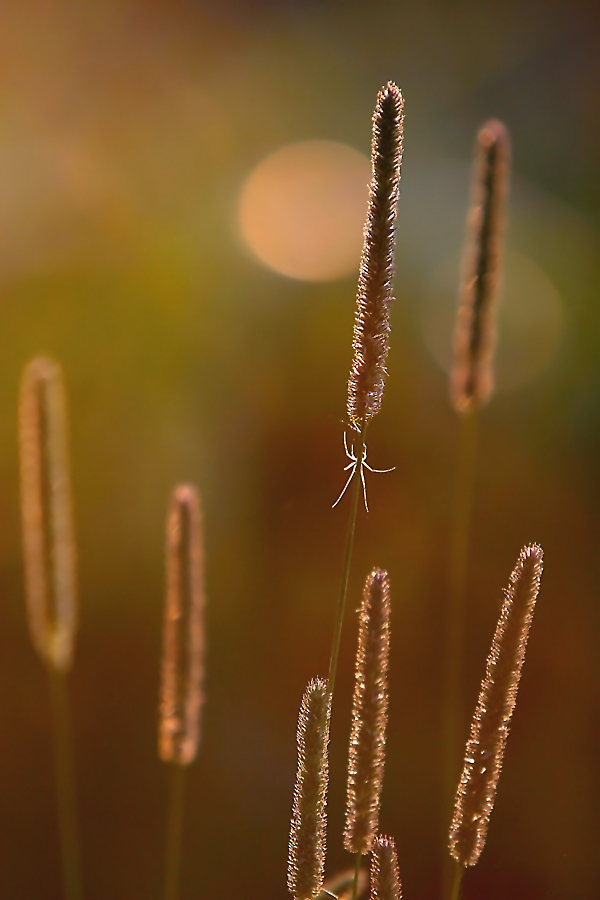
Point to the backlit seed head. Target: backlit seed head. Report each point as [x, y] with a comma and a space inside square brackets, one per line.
[471, 380]
[372, 326]
[182, 668]
[306, 860]
[491, 722]
[369, 716]
[385, 878]
[48, 535]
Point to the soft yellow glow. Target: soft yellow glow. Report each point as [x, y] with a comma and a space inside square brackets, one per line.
[302, 210]
[529, 319]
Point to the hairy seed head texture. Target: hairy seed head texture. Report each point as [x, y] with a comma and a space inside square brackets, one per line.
[491, 722]
[471, 381]
[182, 667]
[385, 879]
[369, 716]
[48, 534]
[306, 860]
[371, 327]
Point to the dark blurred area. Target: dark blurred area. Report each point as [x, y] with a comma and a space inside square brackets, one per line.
[127, 134]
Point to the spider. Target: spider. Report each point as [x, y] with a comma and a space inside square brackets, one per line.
[354, 464]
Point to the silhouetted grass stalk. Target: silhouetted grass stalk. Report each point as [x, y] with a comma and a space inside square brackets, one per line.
[306, 858]
[471, 385]
[491, 722]
[174, 839]
[66, 799]
[50, 580]
[462, 512]
[371, 327]
[182, 668]
[366, 756]
[457, 881]
[339, 616]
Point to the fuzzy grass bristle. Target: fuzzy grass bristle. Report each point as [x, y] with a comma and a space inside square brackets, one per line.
[48, 534]
[471, 382]
[385, 877]
[371, 327]
[182, 667]
[306, 860]
[491, 722]
[369, 716]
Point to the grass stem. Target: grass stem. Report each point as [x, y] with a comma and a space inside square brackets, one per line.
[339, 616]
[174, 831]
[453, 711]
[458, 874]
[65, 786]
[356, 875]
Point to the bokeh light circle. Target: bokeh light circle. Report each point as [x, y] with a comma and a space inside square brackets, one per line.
[302, 210]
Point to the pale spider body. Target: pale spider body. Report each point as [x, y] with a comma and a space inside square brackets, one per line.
[360, 463]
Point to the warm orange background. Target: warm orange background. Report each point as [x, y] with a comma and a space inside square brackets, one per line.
[127, 131]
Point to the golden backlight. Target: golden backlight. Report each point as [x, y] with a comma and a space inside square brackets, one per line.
[303, 208]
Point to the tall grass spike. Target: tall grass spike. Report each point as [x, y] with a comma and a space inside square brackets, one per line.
[385, 878]
[471, 382]
[371, 328]
[48, 534]
[497, 698]
[181, 695]
[307, 834]
[369, 716]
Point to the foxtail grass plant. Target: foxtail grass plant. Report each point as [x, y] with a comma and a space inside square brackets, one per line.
[472, 377]
[50, 579]
[471, 385]
[306, 861]
[489, 731]
[369, 719]
[370, 341]
[385, 878]
[365, 389]
[182, 667]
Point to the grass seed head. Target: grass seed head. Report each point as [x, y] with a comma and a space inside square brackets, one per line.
[369, 716]
[491, 722]
[307, 834]
[48, 534]
[372, 326]
[182, 668]
[385, 878]
[471, 382]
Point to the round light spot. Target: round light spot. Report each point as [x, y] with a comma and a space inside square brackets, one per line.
[529, 322]
[303, 208]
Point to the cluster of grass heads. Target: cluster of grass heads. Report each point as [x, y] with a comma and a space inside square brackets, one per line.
[49, 554]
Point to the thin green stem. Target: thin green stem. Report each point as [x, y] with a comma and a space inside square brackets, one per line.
[339, 616]
[356, 875]
[456, 615]
[65, 786]
[174, 830]
[453, 713]
[458, 874]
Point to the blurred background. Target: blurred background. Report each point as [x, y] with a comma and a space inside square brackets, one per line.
[182, 192]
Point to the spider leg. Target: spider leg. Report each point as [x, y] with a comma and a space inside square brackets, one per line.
[378, 470]
[350, 477]
[362, 478]
[349, 453]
